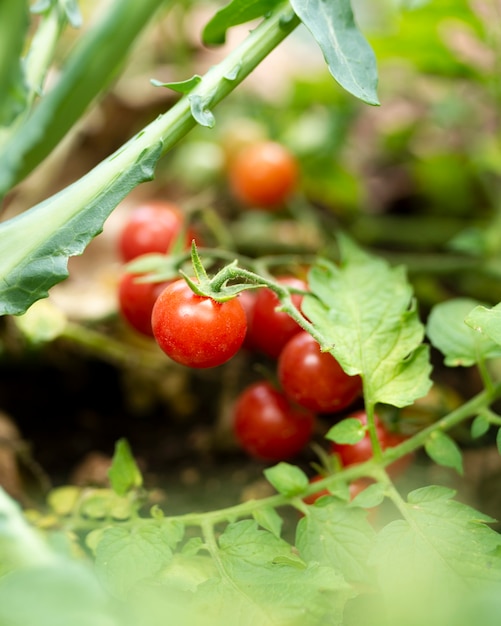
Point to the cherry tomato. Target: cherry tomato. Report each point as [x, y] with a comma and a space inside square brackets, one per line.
[152, 227]
[263, 174]
[269, 329]
[195, 330]
[267, 426]
[247, 300]
[362, 451]
[314, 379]
[136, 300]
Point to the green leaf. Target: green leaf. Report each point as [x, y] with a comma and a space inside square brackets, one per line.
[289, 480]
[479, 426]
[200, 109]
[36, 244]
[456, 328]
[232, 14]
[124, 473]
[349, 431]
[184, 86]
[366, 315]
[348, 54]
[14, 22]
[370, 497]
[487, 322]
[498, 440]
[125, 556]
[444, 451]
[437, 552]
[262, 581]
[268, 518]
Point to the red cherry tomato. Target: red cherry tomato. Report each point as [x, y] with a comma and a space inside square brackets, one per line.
[195, 330]
[269, 329]
[151, 227]
[136, 300]
[247, 300]
[263, 175]
[267, 426]
[362, 451]
[314, 379]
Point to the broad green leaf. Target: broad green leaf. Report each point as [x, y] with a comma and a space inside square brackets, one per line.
[487, 322]
[264, 582]
[14, 21]
[349, 431]
[463, 343]
[124, 473]
[36, 244]
[348, 54]
[440, 550]
[126, 556]
[232, 14]
[338, 536]
[444, 451]
[289, 480]
[366, 315]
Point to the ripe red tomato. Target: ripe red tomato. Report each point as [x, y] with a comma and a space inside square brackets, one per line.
[136, 300]
[269, 329]
[151, 227]
[263, 174]
[362, 451]
[267, 426]
[314, 379]
[195, 330]
[247, 300]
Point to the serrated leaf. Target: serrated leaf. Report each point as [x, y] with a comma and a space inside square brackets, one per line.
[125, 556]
[232, 14]
[264, 582]
[462, 343]
[289, 480]
[444, 451]
[349, 431]
[268, 518]
[365, 312]
[36, 244]
[440, 549]
[124, 473]
[336, 535]
[349, 56]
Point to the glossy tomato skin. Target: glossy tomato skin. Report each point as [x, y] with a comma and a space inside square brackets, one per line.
[267, 426]
[269, 329]
[151, 227]
[314, 379]
[194, 330]
[362, 451]
[263, 175]
[136, 300]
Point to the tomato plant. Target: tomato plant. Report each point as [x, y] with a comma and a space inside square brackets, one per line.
[152, 227]
[136, 300]
[361, 451]
[314, 379]
[196, 330]
[263, 174]
[267, 426]
[270, 328]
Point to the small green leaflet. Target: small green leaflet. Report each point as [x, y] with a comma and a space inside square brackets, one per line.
[444, 450]
[349, 431]
[289, 480]
[349, 56]
[366, 315]
[232, 14]
[269, 519]
[464, 331]
[124, 473]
